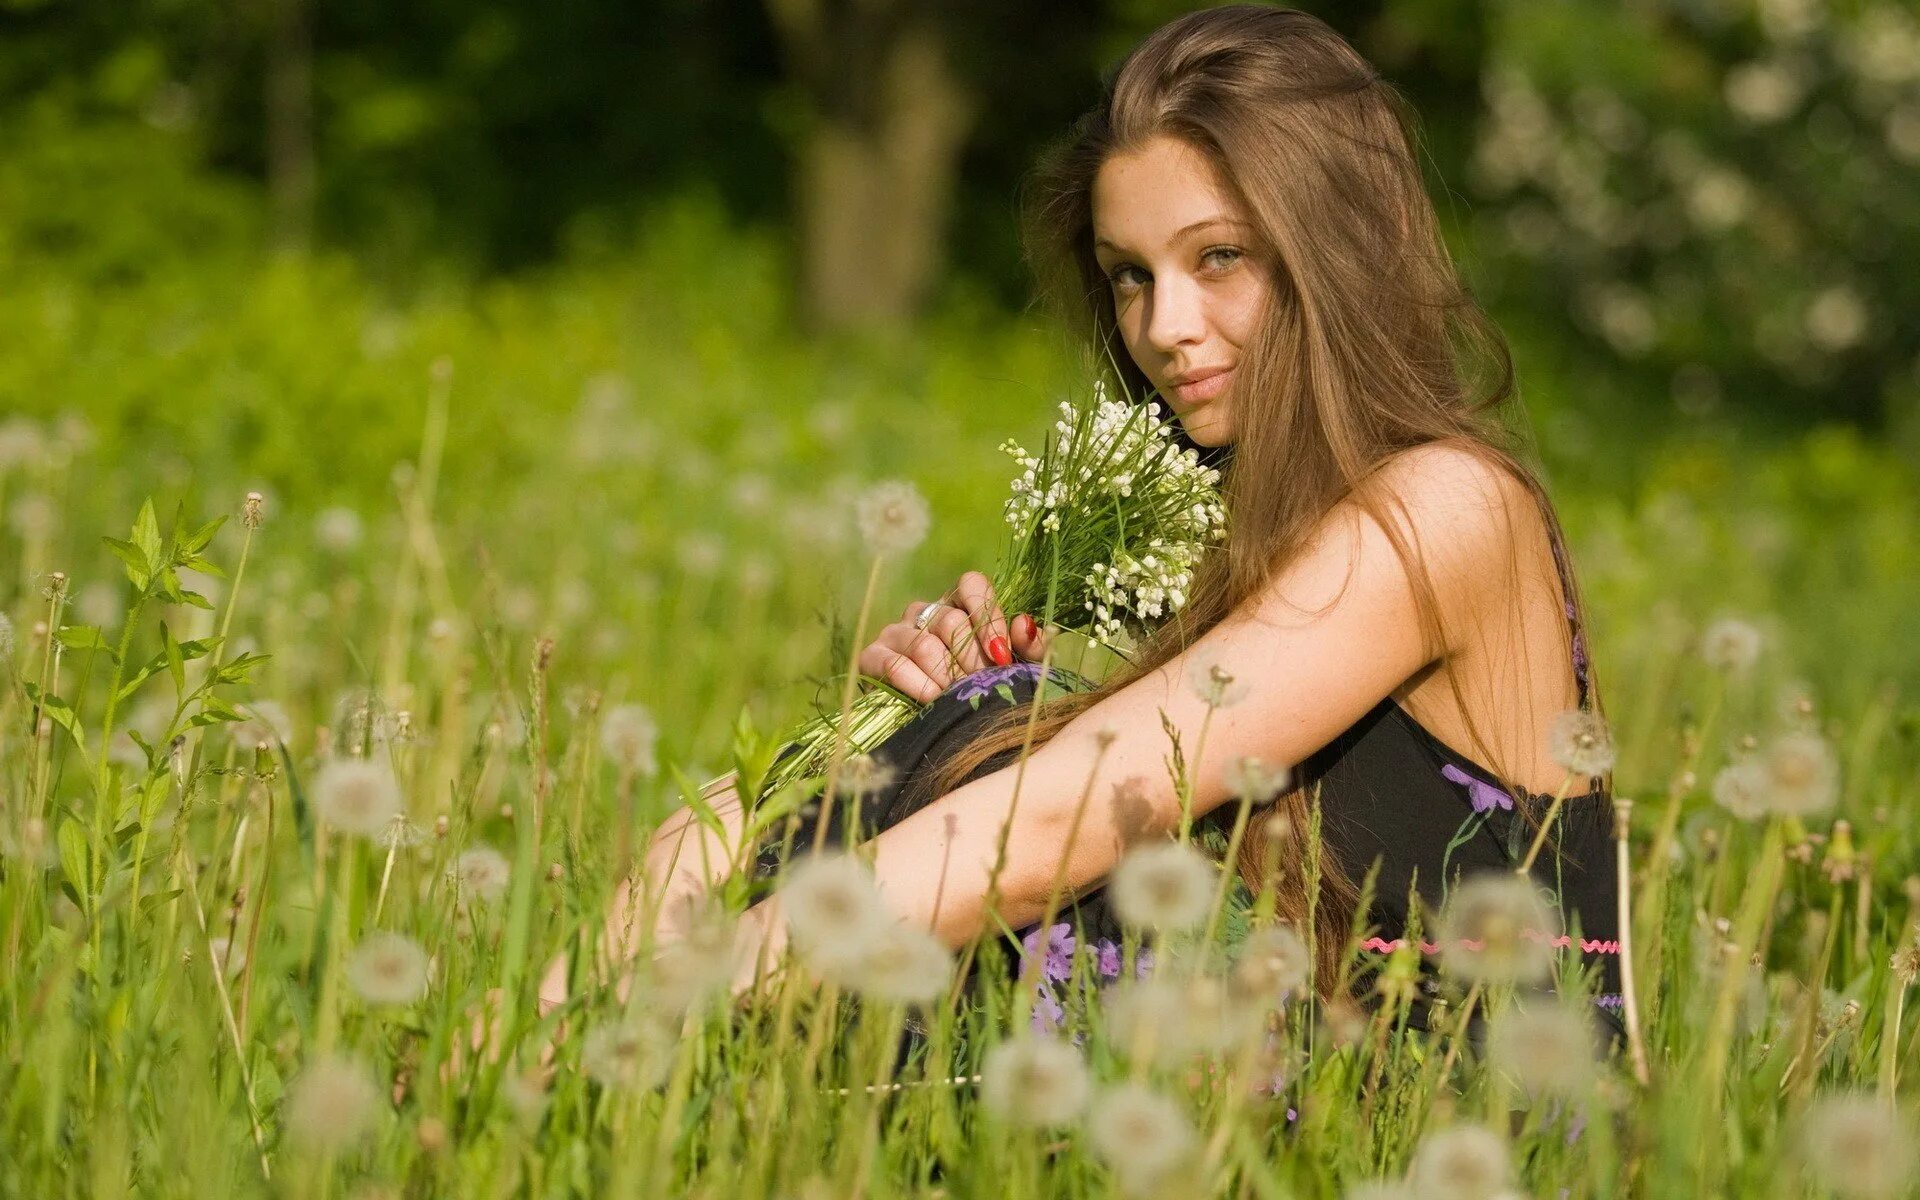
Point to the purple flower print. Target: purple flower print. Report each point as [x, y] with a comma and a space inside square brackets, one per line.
[1106, 958]
[1484, 796]
[978, 684]
[1059, 951]
[1048, 1015]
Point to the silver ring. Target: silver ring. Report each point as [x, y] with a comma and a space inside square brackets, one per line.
[926, 615]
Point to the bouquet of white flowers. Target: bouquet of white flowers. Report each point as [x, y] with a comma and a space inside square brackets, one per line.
[1106, 523]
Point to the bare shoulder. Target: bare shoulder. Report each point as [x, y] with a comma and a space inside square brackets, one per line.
[1463, 510]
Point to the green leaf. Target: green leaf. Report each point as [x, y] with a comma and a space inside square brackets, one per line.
[146, 536]
[137, 570]
[72, 841]
[176, 666]
[59, 712]
[85, 637]
[241, 669]
[190, 650]
[205, 566]
[697, 804]
[199, 538]
[149, 903]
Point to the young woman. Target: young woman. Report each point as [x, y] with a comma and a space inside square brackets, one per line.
[1240, 225]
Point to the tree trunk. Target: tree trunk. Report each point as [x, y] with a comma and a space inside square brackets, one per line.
[879, 149]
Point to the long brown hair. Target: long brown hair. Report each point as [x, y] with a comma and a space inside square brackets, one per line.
[1368, 346]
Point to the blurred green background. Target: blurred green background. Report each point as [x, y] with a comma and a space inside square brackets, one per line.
[702, 270]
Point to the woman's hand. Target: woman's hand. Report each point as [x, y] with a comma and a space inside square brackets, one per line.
[969, 634]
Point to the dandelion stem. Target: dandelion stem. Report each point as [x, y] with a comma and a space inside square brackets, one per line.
[1630, 1005]
[1546, 825]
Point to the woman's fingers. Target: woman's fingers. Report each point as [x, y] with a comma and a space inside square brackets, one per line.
[974, 593]
[909, 660]
[1029, 640]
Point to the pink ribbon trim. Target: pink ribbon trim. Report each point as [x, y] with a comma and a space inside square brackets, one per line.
[1587, 945]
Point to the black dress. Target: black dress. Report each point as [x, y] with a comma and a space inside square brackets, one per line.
[1389, 791]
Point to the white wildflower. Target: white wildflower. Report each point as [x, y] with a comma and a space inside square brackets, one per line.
[388, 968]
[1741, 788]
[898, 965]
[893, 518]
[1543, 1047]
[332, 1103]
[481, 872]
[1496, 928]
[628, 735]
[1255, 781]
[1217, 684]
[1580, 741]
[338, 530]
[1272, 965]
[1731, 645]
[1462, 1163]
[1035, 1081]
[1163, 886]
[356, 795]
[1858, 1146]
[1141, 1134]
[1803, 777]
[628, 1053]
[833, 909]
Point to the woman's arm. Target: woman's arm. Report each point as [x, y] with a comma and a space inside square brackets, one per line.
[1329, 638]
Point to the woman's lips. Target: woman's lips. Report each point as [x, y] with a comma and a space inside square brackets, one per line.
[1202, 390]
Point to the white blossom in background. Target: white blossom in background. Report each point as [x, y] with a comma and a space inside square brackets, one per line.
[893, 518]
[898, 965]
[482, 872]
[1803, 776]
[338, 529]
[1256, 781]
[1858, 1145]
[1580, 741]
[628, 734]
[1035, 1081]
[1141, 1134]
[628, 1053]
[1836, 318]
[1163, 886]
[1496, 928]
[833, 910]
[388, 968]
[1741, 788]
[1731, 645]
[1462, 1163]
[1272, 965]
[356, 795]
[332, 1103]
[1543, 1047]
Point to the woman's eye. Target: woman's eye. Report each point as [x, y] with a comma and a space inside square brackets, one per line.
[1115, 276]
[1234, 255]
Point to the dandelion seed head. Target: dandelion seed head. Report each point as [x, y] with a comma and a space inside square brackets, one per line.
[388, 968]
[1035, 1081]
[1214, 683]
[1496, 929]
[332, 1104]
[1858, 1145]
[1462, 1163]
[1162, 886]
[631, 1053]
[1272, 965]
[628, 737]
[356, 795]
[893, 518]
[833, 909]
[1257, 781]
[1141, 1134]
[1731, 645]
[865, 775]
[1581, 742]
[1546, 1049]
[1741, 788]
[1803, 776]
[898, 965]
[338, 530]
[481, 872]
[696, 966]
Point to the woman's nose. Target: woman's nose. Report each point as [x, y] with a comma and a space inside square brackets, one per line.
[1175, 316]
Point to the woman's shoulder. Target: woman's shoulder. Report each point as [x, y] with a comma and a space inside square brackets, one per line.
[1460, 505]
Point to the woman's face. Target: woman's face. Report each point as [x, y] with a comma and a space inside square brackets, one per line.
[1185, 287]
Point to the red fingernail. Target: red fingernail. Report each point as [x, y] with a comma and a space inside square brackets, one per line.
[1027, 629]
[998, 652]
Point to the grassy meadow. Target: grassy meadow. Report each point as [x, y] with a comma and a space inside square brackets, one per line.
[505, 531]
